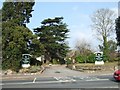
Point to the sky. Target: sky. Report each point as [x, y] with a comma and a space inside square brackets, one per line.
[76, 15]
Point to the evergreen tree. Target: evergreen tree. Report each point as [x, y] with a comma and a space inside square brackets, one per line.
[53, 34]
[18, 12]
[17, 39]
[14, 44]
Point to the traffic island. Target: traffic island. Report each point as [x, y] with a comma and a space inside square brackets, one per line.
[92, 68]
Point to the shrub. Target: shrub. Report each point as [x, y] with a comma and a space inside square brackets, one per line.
[81, 58]
[54, 61]
[11, 64]
[68, 61]
[31, 69]
[34, 69]
[91, 58]
[85, 58]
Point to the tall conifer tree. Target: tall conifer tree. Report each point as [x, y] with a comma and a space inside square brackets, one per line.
[53, 33]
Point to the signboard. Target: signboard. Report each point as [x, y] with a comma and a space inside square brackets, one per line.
[99, 58]
[25, 60]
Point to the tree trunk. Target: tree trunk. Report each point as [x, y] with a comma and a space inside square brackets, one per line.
[105, 49]
[47, 58]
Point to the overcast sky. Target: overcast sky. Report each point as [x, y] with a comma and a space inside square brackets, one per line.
[76, 16]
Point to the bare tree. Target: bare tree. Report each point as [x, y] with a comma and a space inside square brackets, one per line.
[103, 22]
[83, 49]
[83, 46]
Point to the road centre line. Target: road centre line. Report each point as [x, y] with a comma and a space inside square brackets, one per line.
[32, 82]
[17, 83]
[1, 84]
[98, 80]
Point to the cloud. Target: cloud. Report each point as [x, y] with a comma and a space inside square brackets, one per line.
[79, 33]
[115, 9]
[81, 29]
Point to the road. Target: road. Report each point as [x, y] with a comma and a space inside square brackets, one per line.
[61, 77]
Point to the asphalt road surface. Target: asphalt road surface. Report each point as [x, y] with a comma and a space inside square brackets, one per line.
[60, 77]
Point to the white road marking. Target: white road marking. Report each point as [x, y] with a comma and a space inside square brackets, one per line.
[34, 80]
[98, 80]
[73, 80]
[17, 83]
[1, 84]
[59, 80]
[56, 78]
[64, 79]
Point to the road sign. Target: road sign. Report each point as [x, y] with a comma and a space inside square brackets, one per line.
[25, 60]
[99, 58]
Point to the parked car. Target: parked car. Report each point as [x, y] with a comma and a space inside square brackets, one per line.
[117, 75]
